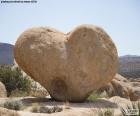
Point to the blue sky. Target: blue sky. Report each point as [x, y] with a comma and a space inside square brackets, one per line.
[120, 19]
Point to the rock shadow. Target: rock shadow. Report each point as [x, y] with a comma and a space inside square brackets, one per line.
[99, 103]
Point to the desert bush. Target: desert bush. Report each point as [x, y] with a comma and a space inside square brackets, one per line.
[93, 97]
[96, 95]
[43, 109]
[14, 79]
[14, 105]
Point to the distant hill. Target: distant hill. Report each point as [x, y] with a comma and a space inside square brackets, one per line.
[130, 66]
[6, 54]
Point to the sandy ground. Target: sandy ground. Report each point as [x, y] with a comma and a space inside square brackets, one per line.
[87, 108]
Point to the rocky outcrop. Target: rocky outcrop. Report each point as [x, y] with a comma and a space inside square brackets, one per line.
[6, 54]
[122, 87]
[3, 92]
[70, 66]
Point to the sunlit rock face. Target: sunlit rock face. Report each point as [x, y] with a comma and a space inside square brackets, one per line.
[70, 66]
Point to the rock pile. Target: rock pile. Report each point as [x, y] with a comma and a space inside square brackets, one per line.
[122, 87]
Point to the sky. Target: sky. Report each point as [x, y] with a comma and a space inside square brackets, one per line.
[119, 18]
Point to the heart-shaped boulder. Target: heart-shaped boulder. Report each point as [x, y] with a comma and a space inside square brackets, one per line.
[70, 66]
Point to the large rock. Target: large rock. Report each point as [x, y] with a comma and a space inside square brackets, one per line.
[3, 92]
[70, 66]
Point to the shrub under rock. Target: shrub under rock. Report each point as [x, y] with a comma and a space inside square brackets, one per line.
[13, 79]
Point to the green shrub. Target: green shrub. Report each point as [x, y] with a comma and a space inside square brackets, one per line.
[13, 79]
[93, 97]
[14, 105]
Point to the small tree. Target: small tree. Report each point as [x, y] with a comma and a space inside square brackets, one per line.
[13, 79]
